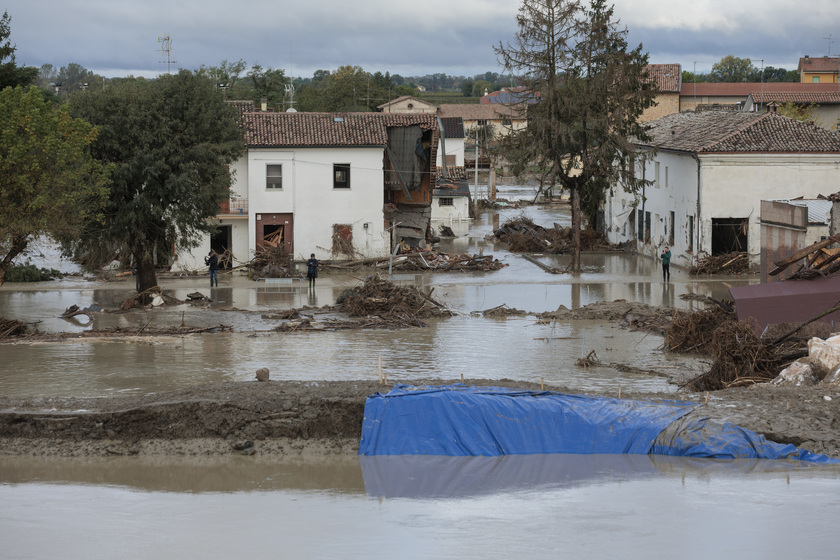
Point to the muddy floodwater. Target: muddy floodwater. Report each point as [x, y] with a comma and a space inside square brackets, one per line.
[391, 507]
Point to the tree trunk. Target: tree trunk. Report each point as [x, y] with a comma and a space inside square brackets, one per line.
[18, 245]
[145, 275]
[576, 219]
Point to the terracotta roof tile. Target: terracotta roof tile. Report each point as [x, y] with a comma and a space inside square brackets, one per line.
[743, 89]
[819, 64]
[326, 129]
[453, 127]
[667, 77]
[473, 112]
[733, 131]
[822, 98]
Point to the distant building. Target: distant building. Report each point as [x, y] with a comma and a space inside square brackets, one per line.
[733, 95]
[667, 80]
[819, 70]
[824, 105]
[407, 104]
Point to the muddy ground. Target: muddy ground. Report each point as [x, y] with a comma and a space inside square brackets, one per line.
[318, 418]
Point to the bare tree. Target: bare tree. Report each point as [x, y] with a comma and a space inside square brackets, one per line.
[592, 92]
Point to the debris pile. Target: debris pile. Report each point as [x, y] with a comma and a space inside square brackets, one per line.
[426, 260]
[740, 357]
[820, 367]
[153, 297]
[524, 236]
[815, 261]
[385, 299]
[729, 263]
[503, 311]
[13, 328]
[269, 262]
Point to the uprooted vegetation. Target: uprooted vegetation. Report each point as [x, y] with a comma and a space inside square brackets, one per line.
[740, 357]
[730, 263]
[524, 236]
[378, 297]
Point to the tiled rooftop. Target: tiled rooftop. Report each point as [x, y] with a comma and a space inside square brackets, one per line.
[822, 98]
[326, 129]
[473, 112]
[667, 77]
[739, 132]
[819, 64]
[743, 89]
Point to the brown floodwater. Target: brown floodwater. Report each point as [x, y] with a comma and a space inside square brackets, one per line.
[386, 507]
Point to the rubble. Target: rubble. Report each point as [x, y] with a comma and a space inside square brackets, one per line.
[729, 263]
[424, 260]
[524, 236]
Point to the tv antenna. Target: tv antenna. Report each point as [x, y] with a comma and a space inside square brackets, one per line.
[166, 48]
[830, 40]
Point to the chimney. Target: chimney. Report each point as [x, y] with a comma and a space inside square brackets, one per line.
[264, 104]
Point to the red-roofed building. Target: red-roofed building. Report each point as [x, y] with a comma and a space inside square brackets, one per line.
[733, 95]
[340, 185]
[823, 106]
[667, 80]
[819, 70]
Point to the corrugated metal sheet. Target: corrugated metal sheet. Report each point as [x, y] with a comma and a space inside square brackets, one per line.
[819, 210]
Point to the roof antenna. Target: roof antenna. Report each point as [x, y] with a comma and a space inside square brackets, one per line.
[830, 40]
[166, 48]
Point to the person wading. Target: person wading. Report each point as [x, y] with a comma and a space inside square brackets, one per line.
[312, 270]
[666, 265]
[212, 261]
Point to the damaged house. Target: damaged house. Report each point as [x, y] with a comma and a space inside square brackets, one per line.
[710, 171]
[343, 186]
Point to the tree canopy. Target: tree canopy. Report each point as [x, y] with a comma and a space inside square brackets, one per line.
[169, 141]
[11, 74]
[51, 185]
[592, 92]
[733, 69]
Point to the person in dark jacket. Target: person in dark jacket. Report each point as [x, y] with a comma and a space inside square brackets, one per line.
[312, 270]
[212, 261]
[666, 265]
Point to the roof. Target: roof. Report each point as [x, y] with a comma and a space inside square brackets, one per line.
[454, 186]
[327, 129]
[822, 98]
[739, 132]
[453, 127]
[743, 89]
[510, 96]
[474, 112]
[819, 209]
[403, 98]
[666, 77]
[819, 64]
[242, 105]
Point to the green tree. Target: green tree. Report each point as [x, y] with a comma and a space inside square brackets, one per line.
[802, 112]
[733, 69]
[169, 141]
[51, 185]
[10, 73]
[689, 77]
[593, 91]
[269, 84]
[467, 87]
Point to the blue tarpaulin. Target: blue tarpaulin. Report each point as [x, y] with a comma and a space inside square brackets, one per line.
[458, 420]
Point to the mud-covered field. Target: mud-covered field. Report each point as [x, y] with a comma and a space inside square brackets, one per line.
[309, 418]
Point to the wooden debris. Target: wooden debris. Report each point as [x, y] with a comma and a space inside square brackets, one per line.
[524, 236]
[590, 360]
[729, 263]
[13, 328]
[377, 297]
[424, 260]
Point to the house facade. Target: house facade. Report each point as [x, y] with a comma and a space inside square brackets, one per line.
[667, 82]
[819, 70]
[733, 95]
[709, 172]
[823, 106]
[342, 186]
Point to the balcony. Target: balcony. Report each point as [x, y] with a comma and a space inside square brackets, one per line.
[234, 207]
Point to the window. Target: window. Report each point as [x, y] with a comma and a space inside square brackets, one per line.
[815, 79]
[274, 176]
[656, 176]
[447, 201]
[341, 176]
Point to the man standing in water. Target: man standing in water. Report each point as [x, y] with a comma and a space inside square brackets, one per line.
[666, 265]
[312, 270]
[212, 261]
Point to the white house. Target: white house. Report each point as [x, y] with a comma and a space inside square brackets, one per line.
[710, 171]
[451, 143]
[342, 186]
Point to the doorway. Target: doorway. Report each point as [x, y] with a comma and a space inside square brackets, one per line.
[729, 235]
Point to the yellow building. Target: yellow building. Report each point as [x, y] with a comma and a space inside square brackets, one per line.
[819, 70]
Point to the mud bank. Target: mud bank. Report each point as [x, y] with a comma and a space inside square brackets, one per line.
[286, 418]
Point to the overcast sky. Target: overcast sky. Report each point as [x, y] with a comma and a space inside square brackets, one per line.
[455, 37]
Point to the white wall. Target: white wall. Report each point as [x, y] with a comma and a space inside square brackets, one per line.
[458, 212]
[309, 195]
[676, 191]
[454, 147]
[734, 185]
